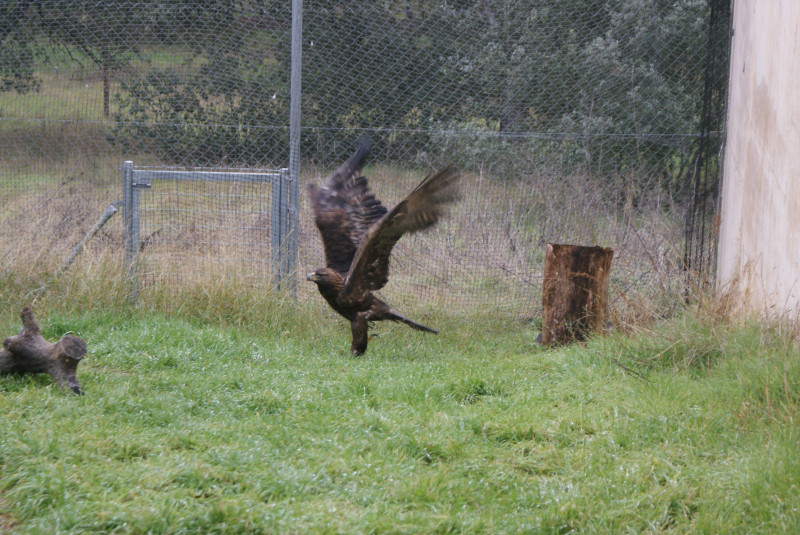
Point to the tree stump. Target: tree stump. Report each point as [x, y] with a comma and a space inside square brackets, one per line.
[29, 352]
[574, 292]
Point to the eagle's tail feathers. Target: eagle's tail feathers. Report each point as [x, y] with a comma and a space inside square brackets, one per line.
[414, 325]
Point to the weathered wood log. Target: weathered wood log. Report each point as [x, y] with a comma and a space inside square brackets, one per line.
[574, 292]
[29, 352]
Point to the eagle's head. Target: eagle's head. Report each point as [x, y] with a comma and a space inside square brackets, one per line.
[328, 281]
[326, 277]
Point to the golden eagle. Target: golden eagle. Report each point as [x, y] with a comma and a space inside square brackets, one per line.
[358, 234]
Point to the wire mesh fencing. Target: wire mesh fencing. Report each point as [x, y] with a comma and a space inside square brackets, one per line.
[594, 122]
[220, 224]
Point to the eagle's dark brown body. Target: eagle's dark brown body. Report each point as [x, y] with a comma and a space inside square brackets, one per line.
[358, 234]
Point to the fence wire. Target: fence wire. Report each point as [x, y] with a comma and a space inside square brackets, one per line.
[594, 122]
[192, 226]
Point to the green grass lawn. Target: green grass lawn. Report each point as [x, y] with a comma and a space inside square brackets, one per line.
[192, 426]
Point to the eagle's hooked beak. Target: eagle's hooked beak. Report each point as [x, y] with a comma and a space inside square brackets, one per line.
[312, 277]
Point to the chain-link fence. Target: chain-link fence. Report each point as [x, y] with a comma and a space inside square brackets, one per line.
[592, 122]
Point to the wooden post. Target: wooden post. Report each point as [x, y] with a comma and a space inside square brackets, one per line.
[574, 292]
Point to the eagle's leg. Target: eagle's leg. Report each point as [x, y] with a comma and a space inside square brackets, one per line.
[359, 328]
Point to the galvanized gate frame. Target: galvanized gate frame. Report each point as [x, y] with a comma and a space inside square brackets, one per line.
[283, 238]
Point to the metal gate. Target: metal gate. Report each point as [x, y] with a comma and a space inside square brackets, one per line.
[202, 226]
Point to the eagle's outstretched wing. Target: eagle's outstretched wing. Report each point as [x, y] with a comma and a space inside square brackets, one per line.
[418, 211]
[344, 208]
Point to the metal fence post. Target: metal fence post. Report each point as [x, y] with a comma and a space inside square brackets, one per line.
[293, 180]
[275, 229]
[130, 201]
[292, 214]
[288, 232]
[126, 207]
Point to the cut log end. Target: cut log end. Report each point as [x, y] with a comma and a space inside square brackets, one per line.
[71, 347]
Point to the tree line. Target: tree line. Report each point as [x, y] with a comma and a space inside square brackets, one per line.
[613, 86]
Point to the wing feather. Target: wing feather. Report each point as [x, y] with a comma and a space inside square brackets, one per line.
[344, 208]
[421, 209]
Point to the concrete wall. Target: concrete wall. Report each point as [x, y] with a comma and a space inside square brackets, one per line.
[759, 243]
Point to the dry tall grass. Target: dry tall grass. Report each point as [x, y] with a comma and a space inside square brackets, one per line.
[487, 256]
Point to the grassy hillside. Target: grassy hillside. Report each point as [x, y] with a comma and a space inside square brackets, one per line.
[205, 420]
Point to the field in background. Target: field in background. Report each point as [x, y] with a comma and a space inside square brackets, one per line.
[487, 254]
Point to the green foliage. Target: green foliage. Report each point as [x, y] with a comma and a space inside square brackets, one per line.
[101, 31]
[377, 68]
[226, 104]
[17, 48]
[605, 86]
[222, 114]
